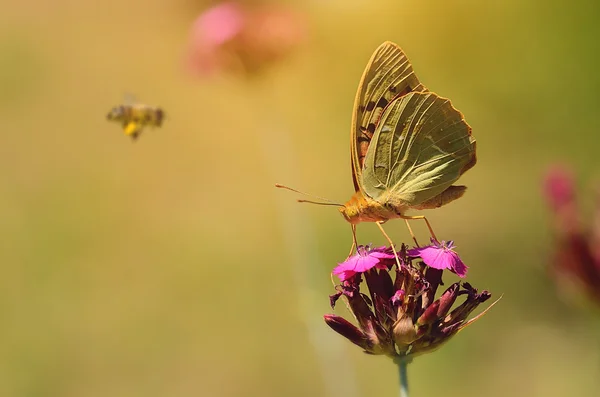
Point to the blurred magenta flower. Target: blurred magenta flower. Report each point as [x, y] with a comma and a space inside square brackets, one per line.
[242, 38]
[400, 316]
[440, 256]
[559, 187]
[576, 250]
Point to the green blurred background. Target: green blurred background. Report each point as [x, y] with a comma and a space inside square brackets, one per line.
[173, 267]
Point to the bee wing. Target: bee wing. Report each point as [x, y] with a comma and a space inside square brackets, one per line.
[129, 99]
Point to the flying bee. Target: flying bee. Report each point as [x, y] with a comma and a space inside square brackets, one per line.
[135, 117]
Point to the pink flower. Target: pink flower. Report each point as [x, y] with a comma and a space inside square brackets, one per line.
[440, 256]
[242, 38]
[219, 24]
[210, 31]
[577, 246]
[559, 187]
[399, 316]
[365, 259]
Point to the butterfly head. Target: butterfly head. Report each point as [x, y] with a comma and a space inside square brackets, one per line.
[351, 213]
[356, 209]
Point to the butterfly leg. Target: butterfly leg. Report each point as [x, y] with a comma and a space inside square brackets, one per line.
[389, 241]
[407, 218]
[354, 243]
[411, 232]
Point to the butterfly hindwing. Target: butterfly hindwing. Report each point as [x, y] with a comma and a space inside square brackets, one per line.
[388, 75]
[421, 145]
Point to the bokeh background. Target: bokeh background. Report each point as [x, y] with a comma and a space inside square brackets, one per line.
[173, 267]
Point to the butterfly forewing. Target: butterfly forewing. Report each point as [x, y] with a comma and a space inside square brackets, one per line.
[420, 147]
[388, 75]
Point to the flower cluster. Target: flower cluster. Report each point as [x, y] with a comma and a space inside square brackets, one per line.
[400, 316]
[577, 245]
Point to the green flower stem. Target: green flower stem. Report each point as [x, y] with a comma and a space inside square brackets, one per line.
[403, 376]
[297, 236]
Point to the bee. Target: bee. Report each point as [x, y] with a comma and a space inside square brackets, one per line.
[135, 117]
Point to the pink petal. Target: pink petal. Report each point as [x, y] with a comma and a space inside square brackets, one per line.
[365, 263]
[434, 257]
[346, 270]
[344, 275]
[355, 264]
[362, 261]
[382, 250]
[218, 24]
[459, 267]
[381, 255]
[440, 258]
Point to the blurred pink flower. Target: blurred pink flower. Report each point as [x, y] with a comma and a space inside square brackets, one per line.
[576, 250]
[440, 256]
[245, 39]
[365, 259]
[559, 187]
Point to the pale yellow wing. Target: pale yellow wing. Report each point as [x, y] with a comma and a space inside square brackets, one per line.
[388, 75]
[420, 148]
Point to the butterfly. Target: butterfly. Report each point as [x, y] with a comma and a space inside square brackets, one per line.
[408, 145]
[135, 116]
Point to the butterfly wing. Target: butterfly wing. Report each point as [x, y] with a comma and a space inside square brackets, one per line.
[421, 145]
[388, 75]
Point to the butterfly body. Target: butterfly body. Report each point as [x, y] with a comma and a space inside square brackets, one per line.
[408, 145]
[361, 208]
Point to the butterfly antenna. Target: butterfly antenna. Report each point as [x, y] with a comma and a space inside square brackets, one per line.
[323, 202]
